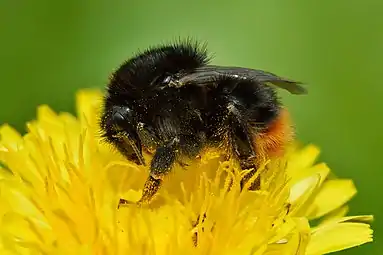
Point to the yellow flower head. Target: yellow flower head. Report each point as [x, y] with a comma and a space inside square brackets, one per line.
[60, 187]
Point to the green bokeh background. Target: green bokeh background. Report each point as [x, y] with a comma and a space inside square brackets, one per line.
[49, 49]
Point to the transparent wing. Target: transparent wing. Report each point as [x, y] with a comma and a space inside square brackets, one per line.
[204, 75]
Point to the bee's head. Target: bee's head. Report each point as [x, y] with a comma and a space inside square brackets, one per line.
[156, 66]
[119, 127]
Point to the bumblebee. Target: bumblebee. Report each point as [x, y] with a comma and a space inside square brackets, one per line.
[171, 101]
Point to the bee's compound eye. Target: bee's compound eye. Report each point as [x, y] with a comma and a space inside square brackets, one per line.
[118, 118]
[121, 116]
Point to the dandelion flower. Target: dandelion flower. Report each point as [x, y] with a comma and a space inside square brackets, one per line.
[60, 188]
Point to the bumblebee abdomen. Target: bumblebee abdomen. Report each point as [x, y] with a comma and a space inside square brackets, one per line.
[272, 141]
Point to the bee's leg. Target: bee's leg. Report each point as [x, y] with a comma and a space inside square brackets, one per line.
[161, 164]
[242, 147]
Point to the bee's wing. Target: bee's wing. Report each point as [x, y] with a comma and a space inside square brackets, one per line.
[206, 74]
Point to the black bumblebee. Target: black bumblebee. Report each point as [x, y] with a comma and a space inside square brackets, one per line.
[170, 101]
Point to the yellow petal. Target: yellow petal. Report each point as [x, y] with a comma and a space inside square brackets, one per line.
[301, 192]
[46, 116]
[336, 214]
[355, 219]
[12, 223]
[332, 195]
[9, 136]
[322, 169]
[334, 237]
[19, 200]
[295, 242]
[10, 140]
[285, 228]
[5, 173]
[88, 103]
[302, 159]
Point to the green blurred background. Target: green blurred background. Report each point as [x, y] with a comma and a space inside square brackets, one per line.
[49, 49]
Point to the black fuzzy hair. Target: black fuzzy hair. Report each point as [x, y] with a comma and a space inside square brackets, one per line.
[138, 74]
